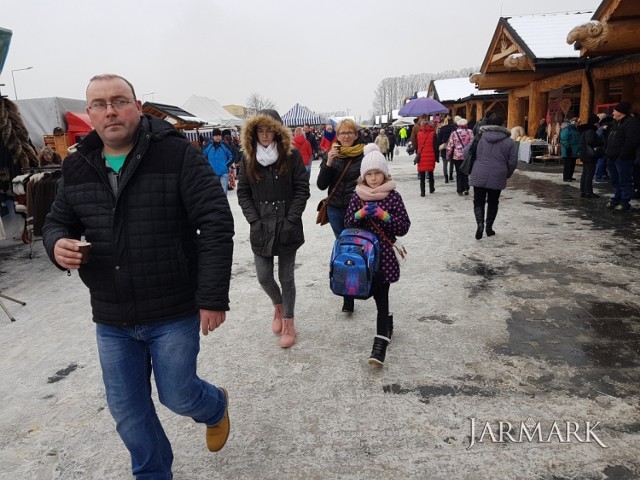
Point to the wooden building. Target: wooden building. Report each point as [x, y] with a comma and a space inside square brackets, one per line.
[464, 99]
[555, 66]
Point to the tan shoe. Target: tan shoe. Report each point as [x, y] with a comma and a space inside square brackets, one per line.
[276, 324]
[288, 337]
[218, 434]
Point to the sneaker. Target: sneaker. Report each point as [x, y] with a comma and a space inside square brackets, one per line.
[218, 434]
[600, 180]
[620, 209]
[610, 205]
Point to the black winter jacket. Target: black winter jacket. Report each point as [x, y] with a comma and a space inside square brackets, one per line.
[589, 138]
[274, 205]
[623, 139]
[148, 263]
[328, 176]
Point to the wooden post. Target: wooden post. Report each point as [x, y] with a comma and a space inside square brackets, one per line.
[602, 92]
[514, 117]
[538, 105]
[479, 110]
[584, 99]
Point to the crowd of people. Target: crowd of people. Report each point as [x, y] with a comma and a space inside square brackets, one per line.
[154, 209]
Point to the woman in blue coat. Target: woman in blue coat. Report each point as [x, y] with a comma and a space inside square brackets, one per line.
[570, 143]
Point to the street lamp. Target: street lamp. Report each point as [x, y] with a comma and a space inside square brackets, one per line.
[145, 94]
[15, 93]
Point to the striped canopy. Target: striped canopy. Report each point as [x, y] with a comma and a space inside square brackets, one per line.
[299, 115]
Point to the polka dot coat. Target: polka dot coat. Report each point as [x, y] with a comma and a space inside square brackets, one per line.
[398, 226]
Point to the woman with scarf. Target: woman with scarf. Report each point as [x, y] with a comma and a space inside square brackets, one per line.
[345, 153]
[273, 189]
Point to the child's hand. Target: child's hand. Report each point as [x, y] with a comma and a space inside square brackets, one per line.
[371, 208]
[362, 213]
[381, 214]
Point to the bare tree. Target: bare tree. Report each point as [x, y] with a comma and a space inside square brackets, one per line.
[258, 102]
[391, 92]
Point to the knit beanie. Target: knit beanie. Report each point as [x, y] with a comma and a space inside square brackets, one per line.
[623, 107]
[461, 121]
[370, 147]
[374, 160]
[216, 131]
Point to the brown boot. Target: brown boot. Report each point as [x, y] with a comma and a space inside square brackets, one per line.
[276, 324]
[218, 434]
[288, 337]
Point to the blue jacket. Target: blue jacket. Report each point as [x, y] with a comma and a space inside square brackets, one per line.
[570, 141]
[219, 156]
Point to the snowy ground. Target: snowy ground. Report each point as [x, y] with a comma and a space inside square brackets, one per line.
[539, 322]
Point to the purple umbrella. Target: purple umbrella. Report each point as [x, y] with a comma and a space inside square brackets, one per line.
[422, 106]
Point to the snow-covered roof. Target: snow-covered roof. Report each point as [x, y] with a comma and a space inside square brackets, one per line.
[453, 89]
[211, 111]
[546, 34]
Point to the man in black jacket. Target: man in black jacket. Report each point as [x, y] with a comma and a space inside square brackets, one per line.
[161, 232]
[622, 143]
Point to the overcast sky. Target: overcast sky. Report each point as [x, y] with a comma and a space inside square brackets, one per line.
[329, 55]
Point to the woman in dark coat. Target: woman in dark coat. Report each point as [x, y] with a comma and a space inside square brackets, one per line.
[590, 151]
[345, 153]
[273, 188]
[496, 160]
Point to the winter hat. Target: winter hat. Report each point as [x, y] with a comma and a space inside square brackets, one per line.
[456, 118]
[623, 107]
[461, 121]
[272, 113]
[602, 116]
[216, 131]
[370, 147]
[374, 160]
[593, 119]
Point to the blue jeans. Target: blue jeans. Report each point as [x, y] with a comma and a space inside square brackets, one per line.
[624, 191]
[224, 181]
[336, 220]
[601, 168]
[613, 173]
[169, 349]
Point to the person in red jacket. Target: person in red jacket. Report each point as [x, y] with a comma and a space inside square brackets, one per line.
[328, 137]
[304, 147]
[427, 157]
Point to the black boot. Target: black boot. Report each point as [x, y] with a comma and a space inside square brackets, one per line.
[347, 304]
[422, 188]
[492, 211]
[431, 183]
[478, 210]
[379, 351]
[390, 326]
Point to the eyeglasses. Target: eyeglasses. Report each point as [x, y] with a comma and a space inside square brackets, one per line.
[117, 104]
[346, 134]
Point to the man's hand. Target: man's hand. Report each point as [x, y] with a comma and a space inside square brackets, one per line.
[67, 253]
[211, 319]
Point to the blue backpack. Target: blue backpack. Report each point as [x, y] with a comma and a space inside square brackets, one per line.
[355, 264]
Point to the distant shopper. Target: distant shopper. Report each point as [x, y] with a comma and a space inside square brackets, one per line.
[220, 158]
[328, 137]
[590, 151]
[382, 141]
[460, 138]
[570, 147]
[496, 160]
[541, 132]
[49, 158]
[428, 156]
[304, 147]
[444, 132]
[273, 188]
[311, 138]
[622, 144]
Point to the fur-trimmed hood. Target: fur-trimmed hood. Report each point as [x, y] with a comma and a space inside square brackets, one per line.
[268, 121]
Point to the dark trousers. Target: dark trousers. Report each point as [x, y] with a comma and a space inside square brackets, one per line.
[422, 176]
[462, 181]
[624, 191]
[586, 179]
[382, 304]
[488, 195]
[568, 168]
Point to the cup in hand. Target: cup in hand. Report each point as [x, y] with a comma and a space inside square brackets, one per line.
[84, 250]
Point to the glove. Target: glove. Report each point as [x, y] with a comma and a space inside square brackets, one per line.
[362, 213]
[371, 207]
[380, 213]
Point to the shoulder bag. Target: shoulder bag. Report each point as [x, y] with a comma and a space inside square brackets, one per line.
[323, 216]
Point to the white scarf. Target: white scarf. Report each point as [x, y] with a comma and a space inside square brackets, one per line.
[267, 155]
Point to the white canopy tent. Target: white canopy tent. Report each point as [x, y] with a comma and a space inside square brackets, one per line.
[211, 111]
[42, 115]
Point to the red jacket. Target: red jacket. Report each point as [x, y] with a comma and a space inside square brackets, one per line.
[304, 147]
[427, 147]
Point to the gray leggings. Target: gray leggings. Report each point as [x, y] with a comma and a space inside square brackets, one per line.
[286, 267]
